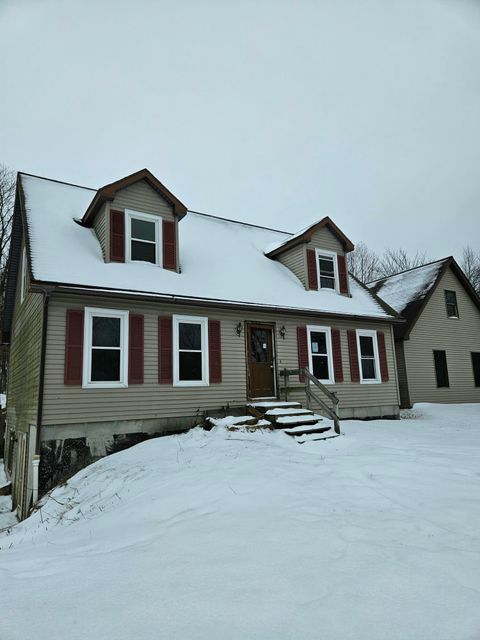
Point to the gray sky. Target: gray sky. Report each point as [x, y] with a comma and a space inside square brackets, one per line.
[275, 112]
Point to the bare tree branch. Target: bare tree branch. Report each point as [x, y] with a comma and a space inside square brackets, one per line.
[470, 264]
[363, 263]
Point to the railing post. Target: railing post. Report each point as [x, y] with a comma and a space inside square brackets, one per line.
[286, 382]
[307, 392]
[336, 422]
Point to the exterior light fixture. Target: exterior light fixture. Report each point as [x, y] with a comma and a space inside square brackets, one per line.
[283, 332]
[239, 329]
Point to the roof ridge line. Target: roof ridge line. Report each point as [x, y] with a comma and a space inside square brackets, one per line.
[419, 266]
[69, 184]
[248, 224]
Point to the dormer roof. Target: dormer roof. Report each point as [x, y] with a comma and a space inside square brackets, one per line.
[306, 234]
[108, 192]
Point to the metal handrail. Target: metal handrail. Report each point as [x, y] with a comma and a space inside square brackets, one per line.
[332, 413]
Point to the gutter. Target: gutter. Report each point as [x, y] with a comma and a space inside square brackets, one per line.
[185, 300]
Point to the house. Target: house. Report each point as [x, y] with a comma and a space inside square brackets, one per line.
[128, 316]
[438, 347]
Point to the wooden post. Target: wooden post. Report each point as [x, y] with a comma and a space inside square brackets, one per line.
[307, 393]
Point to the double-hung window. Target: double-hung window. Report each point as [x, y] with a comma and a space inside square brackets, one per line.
[190, 351]
[105, 357]
[327, 270]
[441, 368]
[143, 237]
[320, 353]
[451, 303]
[367, 346]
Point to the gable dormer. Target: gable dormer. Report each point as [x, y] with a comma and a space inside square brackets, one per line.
[136, 219]
[317, 256]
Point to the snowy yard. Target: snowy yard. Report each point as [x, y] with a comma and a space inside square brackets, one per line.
[238, 535]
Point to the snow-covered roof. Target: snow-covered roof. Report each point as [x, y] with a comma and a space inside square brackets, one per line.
[220, 260]
[403, 288]
[292, 239]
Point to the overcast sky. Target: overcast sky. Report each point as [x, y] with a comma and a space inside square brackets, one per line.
[274, 112]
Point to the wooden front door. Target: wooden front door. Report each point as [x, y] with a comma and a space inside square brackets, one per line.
[261, 365]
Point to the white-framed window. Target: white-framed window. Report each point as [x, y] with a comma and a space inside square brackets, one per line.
[23, 282]
[320, 358]
[105, 348]
[143, 236]
[190, 351]
[367, 346]
[327, 270]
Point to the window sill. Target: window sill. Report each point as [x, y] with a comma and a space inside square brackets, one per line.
[105, 385]
[192, 383]
[370, 382]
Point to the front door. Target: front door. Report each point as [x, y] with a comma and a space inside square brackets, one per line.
[261, 366]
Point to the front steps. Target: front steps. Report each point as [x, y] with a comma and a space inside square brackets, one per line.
[295, 421]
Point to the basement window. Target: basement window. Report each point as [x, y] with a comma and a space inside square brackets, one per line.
[320, 353]
[451, 303]
[143, 231]
[368, 356]
[476, 368]
[105, 359]
[190, 349]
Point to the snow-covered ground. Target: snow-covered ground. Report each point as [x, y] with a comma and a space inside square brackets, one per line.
[238, 535]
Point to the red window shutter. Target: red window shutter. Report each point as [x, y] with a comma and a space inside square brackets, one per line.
[302, 347]
[135, 349]
[312, 269]
[214, 351]
[165, 350]
[353, 356]
[342, 273]
[337, 355]
[169, 245]
[117, 236]
[74, 347]
[382, 354]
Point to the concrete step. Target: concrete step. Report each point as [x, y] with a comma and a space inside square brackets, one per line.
[294, 421]
[319, 427]
[263, 407]
[314, 437]
[288, 411]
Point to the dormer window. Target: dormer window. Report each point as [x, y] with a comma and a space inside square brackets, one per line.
[143, 237]
[327, 270]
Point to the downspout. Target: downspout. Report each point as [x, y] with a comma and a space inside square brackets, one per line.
[41, 384]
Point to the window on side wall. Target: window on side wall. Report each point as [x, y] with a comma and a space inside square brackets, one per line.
[143, 237]
[476, 368]
[441, 368]
[190, 348]
[23, 284]
[320, 353]
[451, 303]
[327, 270]
[105, 357]
[367, 346]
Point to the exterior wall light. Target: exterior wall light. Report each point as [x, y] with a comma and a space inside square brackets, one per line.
[283, 332]
[239, 329]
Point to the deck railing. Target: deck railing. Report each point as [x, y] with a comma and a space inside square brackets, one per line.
[313, 395]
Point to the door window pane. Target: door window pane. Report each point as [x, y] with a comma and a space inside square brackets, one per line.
[105, 332]
[259, 340]
[144, 251]
[318, 342]
[105, 365]
[189, 336]
[319, 354]
[143, 230]
[190, 365]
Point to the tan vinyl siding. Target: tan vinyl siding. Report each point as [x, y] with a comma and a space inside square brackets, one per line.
[24, 365]
[295, 260]
[70, 405]
[458, 337]
[325, 239]
[141, 197]
[100, 228]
